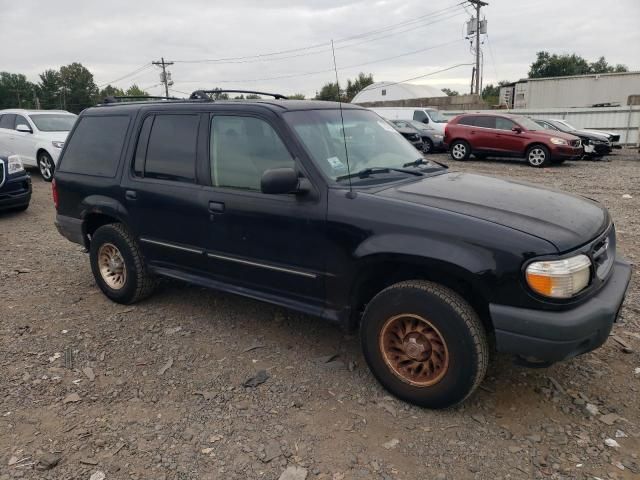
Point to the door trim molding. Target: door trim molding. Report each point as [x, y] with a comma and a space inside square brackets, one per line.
[262, 265]
[171, 245]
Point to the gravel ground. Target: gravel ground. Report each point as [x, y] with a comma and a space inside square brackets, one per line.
[155, 391]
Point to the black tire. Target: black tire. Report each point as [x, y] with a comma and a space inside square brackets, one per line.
[460, 150]
[452, 318]
[538, 156]
[21, 208]
[46, 166]
[428, 146]
[138, 282]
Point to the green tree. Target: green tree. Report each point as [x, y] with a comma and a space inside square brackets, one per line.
[135, 91]
[109, 91]
[297, 96]
[491, 93]
[16, 91]
[253, 96]
[49, 89]
[78, 88]
[548, 65]
[360, 82]
[329, 92]
[450, 93]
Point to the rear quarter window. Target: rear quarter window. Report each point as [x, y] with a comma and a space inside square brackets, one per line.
[466, 121]
[95, 146]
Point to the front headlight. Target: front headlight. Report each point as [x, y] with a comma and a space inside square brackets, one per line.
[559, 278]
[14, 165]
[58, 144]
[558, 141]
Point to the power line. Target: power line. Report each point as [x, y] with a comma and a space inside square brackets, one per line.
[326, 46]
[420, 76]
[165, 77]
[135, 72]
[317, 72]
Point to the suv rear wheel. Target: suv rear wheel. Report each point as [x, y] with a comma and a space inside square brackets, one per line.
[460, 150]
[118, 266]
[424, 343]
[538, 156]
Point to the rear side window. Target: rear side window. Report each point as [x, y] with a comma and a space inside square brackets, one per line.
[467, 121]
[7, 120]
[171, 150]
[485, 121]
[96, 145]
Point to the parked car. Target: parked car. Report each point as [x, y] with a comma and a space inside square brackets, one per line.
[613, 137]
[504, 135]
[594, 145]
[327, 211]
[15, 184]
[431, 139]
[36, 135]
[428, 116]
[411, 134]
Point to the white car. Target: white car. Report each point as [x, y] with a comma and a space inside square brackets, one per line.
[427, 116]
[37, 136]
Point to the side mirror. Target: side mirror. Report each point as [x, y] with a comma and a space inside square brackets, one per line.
[425, 120]
[516, 129]
[24, 128]
[281, 180]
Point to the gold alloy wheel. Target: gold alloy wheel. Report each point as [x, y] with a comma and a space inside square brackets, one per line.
[414, 350]
[112, 267]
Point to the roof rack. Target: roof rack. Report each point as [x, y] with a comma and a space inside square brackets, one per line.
[120, 98]
[205, 94]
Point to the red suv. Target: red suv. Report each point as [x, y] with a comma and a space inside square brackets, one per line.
[504, 135]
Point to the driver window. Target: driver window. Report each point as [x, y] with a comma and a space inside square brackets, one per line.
[242, 149]
[420, 116]
[20, 120]
[504, 124]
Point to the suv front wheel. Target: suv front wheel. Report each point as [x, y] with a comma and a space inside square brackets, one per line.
[538, 156]
[118, 266]
[460, 150]
[424, 343]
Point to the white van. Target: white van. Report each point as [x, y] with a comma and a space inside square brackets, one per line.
[429, 116]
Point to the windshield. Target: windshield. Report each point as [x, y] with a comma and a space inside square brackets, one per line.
[527, 123]
[370, 142]
[563, 127]
[436, 116]
[567, 125]
[50, 122]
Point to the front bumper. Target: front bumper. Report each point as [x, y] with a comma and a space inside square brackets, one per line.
[562, 152]
[15, 193]
[551, 336]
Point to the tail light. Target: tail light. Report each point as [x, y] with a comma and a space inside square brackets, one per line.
[54, 192]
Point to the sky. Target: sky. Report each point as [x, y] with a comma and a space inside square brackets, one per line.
[392, 39]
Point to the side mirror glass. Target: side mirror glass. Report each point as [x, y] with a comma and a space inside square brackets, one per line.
[516, 129]
[24, 128]
[280, 180]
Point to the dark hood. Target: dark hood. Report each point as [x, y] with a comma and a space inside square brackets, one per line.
[591, 135]
[565, 220]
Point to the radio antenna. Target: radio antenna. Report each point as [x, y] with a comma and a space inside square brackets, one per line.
[344, 135]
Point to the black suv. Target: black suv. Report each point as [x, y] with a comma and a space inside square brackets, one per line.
[15, 184]
[325, 209]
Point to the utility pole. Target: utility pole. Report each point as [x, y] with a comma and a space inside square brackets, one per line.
[478, 4]
[163, 77]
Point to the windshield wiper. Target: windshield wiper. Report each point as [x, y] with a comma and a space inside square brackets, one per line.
[374, 170]
[422, 161]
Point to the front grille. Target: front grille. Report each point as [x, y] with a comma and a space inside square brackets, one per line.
[576, 143]
[615, 138]
[2, 174]
[603, 253]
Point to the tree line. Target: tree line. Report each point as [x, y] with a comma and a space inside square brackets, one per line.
[69, 88]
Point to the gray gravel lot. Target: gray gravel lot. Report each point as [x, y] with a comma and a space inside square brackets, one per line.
[156, 390]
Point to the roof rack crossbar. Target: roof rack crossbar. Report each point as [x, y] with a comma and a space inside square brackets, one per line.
[120, 98]
[204, 94]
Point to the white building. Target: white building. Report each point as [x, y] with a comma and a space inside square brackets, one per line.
[388, 91]
[580, 91]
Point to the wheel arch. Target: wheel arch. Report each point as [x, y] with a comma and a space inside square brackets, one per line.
[534, 144]
[379, 271]
[99, 211]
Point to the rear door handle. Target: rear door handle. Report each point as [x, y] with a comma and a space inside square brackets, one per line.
[130, 195]
[216, 207]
